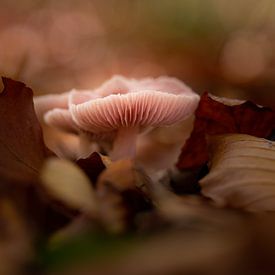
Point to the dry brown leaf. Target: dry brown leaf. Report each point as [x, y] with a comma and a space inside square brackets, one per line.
[22, 147]
[242, 172]
[66, 182]
[219, 116]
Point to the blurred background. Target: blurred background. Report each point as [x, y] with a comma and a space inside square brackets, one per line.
[224, 47]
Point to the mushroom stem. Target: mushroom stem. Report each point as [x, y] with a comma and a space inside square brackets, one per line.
[125, 143]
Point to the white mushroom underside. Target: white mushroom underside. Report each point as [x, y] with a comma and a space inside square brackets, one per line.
[146, 108]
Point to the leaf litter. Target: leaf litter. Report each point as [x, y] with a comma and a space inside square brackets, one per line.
[96, 216]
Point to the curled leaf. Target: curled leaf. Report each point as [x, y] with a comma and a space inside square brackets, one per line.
[68, 183]
[22, 148]
[242, 172]
[216, 116]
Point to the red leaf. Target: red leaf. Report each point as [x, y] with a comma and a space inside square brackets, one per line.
[214, 118]
[22, 149]
[22, 152]
[92, 166]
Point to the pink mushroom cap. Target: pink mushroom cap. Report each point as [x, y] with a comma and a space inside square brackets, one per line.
[143, 109]
[125, 106]
[44, 103]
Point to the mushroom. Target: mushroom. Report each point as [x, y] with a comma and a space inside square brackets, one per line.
[64, 138]
[44, 103]
[62, 119]
[138, 105]
[121, 108]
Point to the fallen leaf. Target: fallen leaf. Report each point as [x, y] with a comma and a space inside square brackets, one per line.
[23, 152]
[242, 172]
[67, 183]
[222, 116]
[22, 148]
